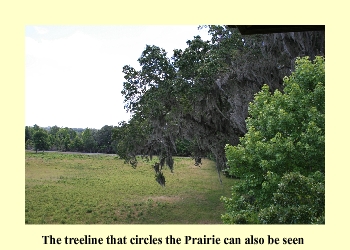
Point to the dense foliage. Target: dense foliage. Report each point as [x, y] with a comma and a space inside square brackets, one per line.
[40, 140]
[281, 159]
[71, 139]
[201, 94]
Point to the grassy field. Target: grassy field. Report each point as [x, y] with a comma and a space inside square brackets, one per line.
[65, 188]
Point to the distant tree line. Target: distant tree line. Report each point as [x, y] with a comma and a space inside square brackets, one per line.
[88, 140]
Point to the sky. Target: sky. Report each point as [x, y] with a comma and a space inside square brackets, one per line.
[73, 74]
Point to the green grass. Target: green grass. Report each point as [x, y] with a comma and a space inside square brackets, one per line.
[100, 189]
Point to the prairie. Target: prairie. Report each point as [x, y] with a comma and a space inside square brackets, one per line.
[63, 188]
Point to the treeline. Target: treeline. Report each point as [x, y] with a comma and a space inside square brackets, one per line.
[88, 140]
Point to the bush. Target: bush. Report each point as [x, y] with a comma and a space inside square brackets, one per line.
[298, 200]
[282, 152]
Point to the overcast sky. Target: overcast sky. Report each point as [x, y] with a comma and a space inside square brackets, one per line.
[74, 73]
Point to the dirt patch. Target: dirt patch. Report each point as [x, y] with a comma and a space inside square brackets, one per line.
[164, 198]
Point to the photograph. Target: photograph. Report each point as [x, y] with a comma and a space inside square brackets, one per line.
[175, 125]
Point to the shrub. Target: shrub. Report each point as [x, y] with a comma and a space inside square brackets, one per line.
[282, 153]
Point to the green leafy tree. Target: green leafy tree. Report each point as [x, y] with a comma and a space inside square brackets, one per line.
[72, 133]
[180, 100]
[281, 159]
[89, 143]
[53, 137]
[41, 140]
[104, 139]
[77, 144]
[63, 139]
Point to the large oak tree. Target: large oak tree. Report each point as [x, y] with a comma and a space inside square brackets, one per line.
[202, 93]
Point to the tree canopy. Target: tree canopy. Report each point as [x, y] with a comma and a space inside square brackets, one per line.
[201, 94]
[40, 140]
